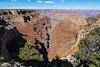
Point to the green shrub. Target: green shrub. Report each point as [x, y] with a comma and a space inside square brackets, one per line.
[26, 53]
[89, 48]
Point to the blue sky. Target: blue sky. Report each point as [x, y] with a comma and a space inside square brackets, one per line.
[50, 4]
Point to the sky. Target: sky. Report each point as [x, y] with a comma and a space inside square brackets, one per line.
[50, 4]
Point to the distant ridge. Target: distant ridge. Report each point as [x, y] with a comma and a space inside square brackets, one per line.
[85, 13]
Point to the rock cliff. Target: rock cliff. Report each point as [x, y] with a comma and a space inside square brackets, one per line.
[60, 32]
[29, 23]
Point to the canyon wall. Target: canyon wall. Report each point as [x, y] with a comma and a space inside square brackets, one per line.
[60, 32]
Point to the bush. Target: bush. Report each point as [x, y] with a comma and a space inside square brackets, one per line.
[26, 53]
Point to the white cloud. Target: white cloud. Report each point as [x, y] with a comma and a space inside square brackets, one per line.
[49, 2]
[62, 1]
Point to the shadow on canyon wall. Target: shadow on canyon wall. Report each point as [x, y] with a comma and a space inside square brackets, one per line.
[13, 46]
[42, 51]
[11, 40]
[3, 23]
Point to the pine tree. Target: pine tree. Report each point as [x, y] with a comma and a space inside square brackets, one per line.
[89, 49]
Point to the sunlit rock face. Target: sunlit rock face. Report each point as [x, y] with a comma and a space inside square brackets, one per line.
[34, 28]
[64, 34]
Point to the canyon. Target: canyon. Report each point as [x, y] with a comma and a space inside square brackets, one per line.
[59, 32]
